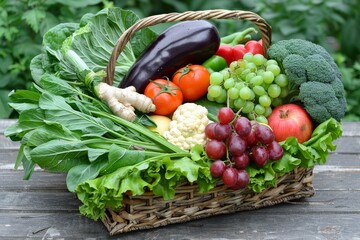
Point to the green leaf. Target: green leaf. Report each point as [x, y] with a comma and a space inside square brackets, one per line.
[46, 133]
[20, 107]
[95, 153]
[298, 7]
[30, 119]
[59, 155]
[57, 86]
[165, 186]
[120, 157]
[20, 156]
[5, 109]
[82, 173]
[28, 165]
[287, 28]
[36, 67]
[75, 4]
[33, 17]
[24, 96]
[6, 62]
[54, 38]
[286, 164]
[57, 110]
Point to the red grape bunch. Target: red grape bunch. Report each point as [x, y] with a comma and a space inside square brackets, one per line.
[234, 143]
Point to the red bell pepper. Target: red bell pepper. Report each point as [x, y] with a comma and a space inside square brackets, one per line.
[233, 51]
[255, 47]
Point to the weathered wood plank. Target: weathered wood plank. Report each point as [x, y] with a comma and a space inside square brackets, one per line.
[6, 143]
[36, 202]
[244, 225]
[49, 202]
[39, 181]
[5, 123]
[51, 225]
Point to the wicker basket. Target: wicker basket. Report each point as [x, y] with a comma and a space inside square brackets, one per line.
[150, 211]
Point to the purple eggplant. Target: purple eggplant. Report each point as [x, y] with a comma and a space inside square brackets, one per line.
[188, 42]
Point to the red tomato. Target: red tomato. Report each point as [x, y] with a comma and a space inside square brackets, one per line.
[290, 120]
[193, 80]
[166, 96]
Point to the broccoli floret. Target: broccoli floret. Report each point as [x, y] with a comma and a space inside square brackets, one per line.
[278, 53]
[319, 100]
[314, 78]
[302, 47]
[318, 69]
[296, 75]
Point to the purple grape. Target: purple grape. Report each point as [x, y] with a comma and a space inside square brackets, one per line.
[237, 145]
[217, 168]
[210, 130]
[230, 176]
[259, 155]
[225, 115]
[275, 151]
[242, 126]
[241, 161]
[222, 131]
[243, 179]
[264, 134]
[215, 149]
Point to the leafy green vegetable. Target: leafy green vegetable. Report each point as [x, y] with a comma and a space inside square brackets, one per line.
[307, 154]
[159, 175]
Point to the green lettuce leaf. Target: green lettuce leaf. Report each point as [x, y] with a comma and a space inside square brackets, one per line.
[307, 154]
[159, 175]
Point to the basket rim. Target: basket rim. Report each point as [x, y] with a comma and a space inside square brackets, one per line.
[262, 25]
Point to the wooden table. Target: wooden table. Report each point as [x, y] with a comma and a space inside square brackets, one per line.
[42, 208]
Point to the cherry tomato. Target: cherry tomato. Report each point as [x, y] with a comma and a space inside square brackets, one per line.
[193, 80]
[165, 95]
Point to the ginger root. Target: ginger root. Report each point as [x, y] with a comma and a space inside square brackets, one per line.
[124, 101]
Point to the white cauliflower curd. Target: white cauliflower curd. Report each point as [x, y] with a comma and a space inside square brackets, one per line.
[187, 127]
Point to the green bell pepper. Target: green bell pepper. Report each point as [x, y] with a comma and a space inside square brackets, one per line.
[215, 64]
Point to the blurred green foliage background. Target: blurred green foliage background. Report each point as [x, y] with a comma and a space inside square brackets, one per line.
[334, 24]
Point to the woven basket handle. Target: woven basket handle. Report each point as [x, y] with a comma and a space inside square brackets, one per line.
[262, 25]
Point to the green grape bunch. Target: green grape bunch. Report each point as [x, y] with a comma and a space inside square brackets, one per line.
[253, 85]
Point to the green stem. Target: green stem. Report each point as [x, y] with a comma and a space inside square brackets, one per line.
[142, 131]
[105, 143]
[76, 61]
[238, 37]
[170, 155]
[229, 38]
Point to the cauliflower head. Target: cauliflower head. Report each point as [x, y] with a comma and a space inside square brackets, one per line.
[187, 127]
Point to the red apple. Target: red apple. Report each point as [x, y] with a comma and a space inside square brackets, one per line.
[290, 120]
